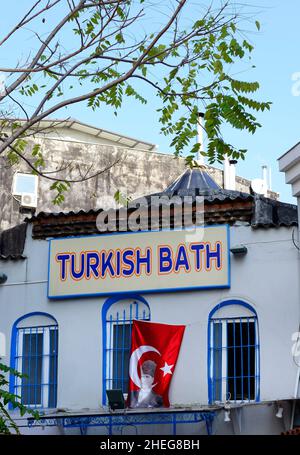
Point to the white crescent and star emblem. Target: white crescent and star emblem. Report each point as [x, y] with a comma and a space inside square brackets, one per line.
[133, 363]
[134, 359]
[167, 369]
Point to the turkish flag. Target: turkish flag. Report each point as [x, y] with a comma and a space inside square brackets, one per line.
[153, 356]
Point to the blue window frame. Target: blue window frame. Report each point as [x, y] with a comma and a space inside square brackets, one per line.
[233, 353]
[34, 353]
[117, 316]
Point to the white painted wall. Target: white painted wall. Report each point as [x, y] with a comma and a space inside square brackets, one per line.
[266, 278]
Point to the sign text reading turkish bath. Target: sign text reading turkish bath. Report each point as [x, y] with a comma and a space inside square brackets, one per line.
[139, 262]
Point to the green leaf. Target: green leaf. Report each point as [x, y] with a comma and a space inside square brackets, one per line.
[144, 71]
[120, 38]
[121, 199]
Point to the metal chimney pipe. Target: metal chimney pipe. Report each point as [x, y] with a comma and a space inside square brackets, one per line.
[226, 173]
[229, 173]
[232, 171]
[265, 174]
[200, 158]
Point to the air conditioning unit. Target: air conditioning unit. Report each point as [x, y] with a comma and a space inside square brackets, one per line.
[29, 200]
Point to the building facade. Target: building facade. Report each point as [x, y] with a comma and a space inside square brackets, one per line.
[235, 370]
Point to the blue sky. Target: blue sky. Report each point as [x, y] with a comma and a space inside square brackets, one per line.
[276, 58]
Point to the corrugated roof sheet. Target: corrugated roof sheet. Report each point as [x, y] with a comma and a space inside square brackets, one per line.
[221, 206]
[43, 215]
[211, 196]
[12, 257]
[270, 213]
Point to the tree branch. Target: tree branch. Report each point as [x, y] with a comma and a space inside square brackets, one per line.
[96, 92]
[35, 60]
[27, 19]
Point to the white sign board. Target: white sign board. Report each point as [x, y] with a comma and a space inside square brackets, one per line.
[139, 262]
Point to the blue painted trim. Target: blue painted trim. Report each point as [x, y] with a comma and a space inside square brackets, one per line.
[106, 306]
[205, 226]
[231, 302]
[258, 362]
[141, 291]
[209, 363]
[13, 344]
[55, 368]
[212, 312]
[228, 256]
[138, 291]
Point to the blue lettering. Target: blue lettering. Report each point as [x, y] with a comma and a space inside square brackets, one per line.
[165, 257]
[118, 263]
[92, 264]
[182, 259]
[197, 248]
[213, 255]
[106, 264]
[127, 260]
[77, 275]
[63, 259]
[143, 261]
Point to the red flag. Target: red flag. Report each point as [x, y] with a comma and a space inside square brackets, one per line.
[153, 356]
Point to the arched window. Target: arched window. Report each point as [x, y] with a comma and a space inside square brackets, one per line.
[117, 316]
[233, 352]
[34, 348]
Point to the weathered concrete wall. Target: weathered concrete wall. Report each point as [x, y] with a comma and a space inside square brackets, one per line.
[137, 173]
